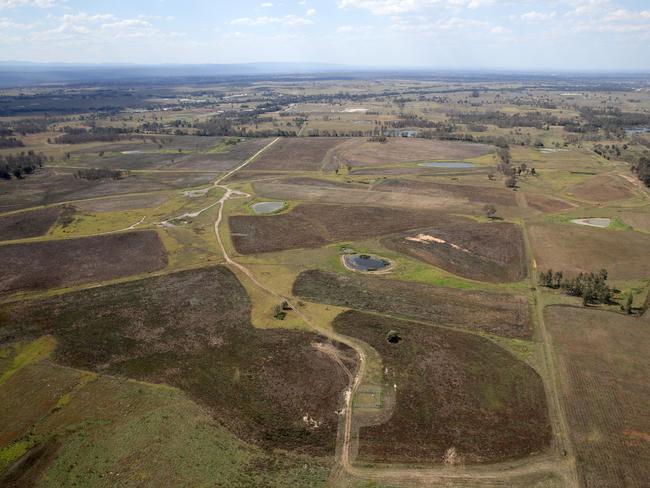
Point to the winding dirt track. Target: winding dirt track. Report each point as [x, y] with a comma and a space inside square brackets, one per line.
[495, 475]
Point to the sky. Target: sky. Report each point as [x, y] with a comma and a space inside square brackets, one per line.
[570, 35]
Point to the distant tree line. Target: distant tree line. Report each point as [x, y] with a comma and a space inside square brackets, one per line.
[592, 287]
[19, 165]
[8, 142]
[80, 135]
[537, 119]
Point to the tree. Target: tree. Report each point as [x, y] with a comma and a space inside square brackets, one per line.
[490, 211]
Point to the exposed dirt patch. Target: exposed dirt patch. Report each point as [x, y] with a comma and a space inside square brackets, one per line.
[312, 225]
[52, 264]
[603, 363]
[502, 314]
[603, 188]
[404, 150]
[28, 224]
[577, 248]
[301, 153]
[192, 330]
[457, 393]
[491, 252]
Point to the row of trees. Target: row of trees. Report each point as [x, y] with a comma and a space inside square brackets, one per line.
[642, 169]
[77, 135]
[9, 142]
[19, 165]
[592, 287]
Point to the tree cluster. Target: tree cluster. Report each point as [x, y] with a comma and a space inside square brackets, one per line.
[592, 287]
[9, 142]
[19, 165]
[642, 169]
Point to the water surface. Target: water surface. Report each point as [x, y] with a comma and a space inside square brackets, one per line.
[267, 207]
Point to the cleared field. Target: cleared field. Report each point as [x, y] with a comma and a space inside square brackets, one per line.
[576, 248]
[603, 362]
[312, 225]
[492, 252]
[59, 263]
[58, 185]
[469, 397]
[303, 154]
[405, 150]
[192, 330]
[601, 189]
[505, 315]
[28, 224]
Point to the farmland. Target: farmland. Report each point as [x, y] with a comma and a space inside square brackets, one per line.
[387, 323]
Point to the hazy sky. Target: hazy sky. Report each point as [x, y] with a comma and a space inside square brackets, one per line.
[524, 34]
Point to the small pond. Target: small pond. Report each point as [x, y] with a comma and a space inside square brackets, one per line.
[448, 164]
[593, 222]
[267, 207]
[365, 262]
[637, 130]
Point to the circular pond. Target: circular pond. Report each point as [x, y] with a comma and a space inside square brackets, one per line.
[448, 164]
[365, 262]
[593, 222]
[267, 207]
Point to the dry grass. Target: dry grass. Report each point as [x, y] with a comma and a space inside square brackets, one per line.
[60, 263]
[574, 248]
[602, 189]
[603, 361]
[404, 150]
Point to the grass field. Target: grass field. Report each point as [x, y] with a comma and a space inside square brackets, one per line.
[61, 263]
[575, 248]
[28, 224]
[192, 330]
[312, 225]
[603, 366]
[501, 314]
[485, 252]
[301, 154]
[405, 150]
[460, 399]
